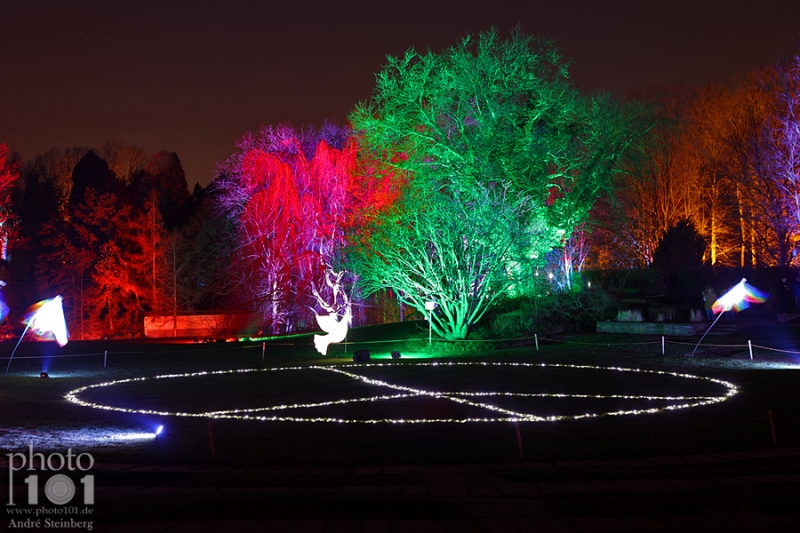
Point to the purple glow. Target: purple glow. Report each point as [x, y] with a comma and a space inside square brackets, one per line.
[3, 305]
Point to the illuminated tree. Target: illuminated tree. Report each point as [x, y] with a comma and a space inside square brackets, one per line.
[764, 225]
[483, 117]
[98, 260]
[651, 193]
[568, 260]
[9, 174]
[781, 134]
[451, 247]
[708, 156]
[294, 203]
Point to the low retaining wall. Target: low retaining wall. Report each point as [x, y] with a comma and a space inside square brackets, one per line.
[651, 328]
[202, 326]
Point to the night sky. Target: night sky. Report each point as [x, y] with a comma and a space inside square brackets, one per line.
[193, 77]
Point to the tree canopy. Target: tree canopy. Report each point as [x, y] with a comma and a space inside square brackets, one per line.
[486, 117]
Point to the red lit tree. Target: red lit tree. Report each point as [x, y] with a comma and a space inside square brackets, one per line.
[9, 174]
[98, 260]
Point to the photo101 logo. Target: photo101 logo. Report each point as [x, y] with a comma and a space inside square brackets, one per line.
[46, 473]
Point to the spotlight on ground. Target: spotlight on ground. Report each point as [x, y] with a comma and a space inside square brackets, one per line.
[44, 375]
[359, 356]
[395, 355]
[159, 430]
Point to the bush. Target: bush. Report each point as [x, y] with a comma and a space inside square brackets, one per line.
[524, 316]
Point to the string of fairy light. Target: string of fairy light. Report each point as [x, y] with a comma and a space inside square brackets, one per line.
[471, 399]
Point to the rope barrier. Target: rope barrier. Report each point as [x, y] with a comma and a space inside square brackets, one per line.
[599, 343]
[53, 356]
[231, 346]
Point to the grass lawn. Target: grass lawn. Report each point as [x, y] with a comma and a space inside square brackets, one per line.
[295, 470]
[287, 372]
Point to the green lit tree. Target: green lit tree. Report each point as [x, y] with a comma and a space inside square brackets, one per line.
[492, 121]
[451, 247]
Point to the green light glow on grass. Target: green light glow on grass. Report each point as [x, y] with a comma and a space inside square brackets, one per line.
[405, 355]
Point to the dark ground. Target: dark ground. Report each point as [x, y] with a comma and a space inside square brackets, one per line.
[718, 467]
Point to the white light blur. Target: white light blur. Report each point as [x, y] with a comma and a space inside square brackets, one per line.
[46, 319]
[21, 437]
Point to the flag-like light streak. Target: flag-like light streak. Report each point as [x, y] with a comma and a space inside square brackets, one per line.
[739, 297]
[46, 320]
[495, 413]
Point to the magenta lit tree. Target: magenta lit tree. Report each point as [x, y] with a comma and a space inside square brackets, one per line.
[295, 204]
[782, 141]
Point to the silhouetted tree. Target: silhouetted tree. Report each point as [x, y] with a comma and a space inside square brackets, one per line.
[680, 247]
[163, 174]
[92, 172]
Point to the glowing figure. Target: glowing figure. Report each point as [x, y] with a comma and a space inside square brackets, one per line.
[739, 297]
[46, 320]
[332, 324]
[335, 328]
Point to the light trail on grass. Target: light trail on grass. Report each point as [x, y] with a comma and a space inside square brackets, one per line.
[465, 398]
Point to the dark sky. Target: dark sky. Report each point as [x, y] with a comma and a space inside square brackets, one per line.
[193, 77]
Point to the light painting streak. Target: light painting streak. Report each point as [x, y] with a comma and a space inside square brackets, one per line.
[738, 298]
[46, 319]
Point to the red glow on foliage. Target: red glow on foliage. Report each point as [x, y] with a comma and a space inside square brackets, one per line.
[8, 178]
[554, 194]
